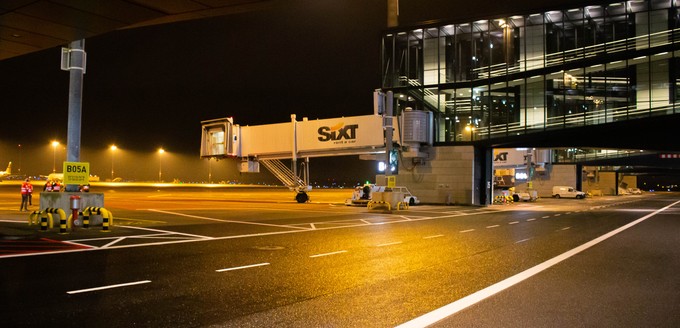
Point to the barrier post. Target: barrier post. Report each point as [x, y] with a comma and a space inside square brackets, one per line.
[43, 221]
[105, 219]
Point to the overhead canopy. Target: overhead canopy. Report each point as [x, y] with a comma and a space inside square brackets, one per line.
[32, 25]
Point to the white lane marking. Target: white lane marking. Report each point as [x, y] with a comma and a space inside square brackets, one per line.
[532, 219]
[243, 267]
[565, 228]
[327, 254]
[169, 232]
[108, 287]
[474, 298]
[567, 213]
[492, 226]
[513, 222]
[545, 217]
[523, 240]
[113, 242]
[468, 230]
[389, 244]
[313, 226]
[435, 236]
[227, 221]
[558, 214]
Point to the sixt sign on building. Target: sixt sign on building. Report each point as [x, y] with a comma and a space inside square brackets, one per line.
[339, 133]
[344, 132]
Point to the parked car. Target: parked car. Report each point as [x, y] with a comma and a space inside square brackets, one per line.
[567, 192]
[635, 191]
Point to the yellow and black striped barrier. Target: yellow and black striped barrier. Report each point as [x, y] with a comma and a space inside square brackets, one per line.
[64, 223]
[107, 217]
[46, 218]
[402, 206]
[371, 204]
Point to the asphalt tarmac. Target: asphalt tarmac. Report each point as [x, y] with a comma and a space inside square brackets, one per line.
[201, 257]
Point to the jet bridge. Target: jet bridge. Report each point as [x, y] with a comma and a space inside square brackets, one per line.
[268, 144]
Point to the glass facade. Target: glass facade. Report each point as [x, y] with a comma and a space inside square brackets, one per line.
[541, 71]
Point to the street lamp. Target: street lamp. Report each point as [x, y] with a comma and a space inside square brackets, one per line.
[19, 158]
[55, 144]
[113, 151]
[161, 151]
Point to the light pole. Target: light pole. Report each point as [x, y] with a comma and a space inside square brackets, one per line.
[55, 144]
[160, 164]
[209, 170]
[113, 151]
[19, 158]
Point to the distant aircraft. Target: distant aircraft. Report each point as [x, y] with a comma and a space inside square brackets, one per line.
[6, 172]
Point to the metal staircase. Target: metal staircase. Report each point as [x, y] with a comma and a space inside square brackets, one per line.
[284, 174]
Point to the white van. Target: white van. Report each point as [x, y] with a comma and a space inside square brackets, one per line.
[567, 192]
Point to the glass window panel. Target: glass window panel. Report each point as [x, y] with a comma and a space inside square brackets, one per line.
[660, 4]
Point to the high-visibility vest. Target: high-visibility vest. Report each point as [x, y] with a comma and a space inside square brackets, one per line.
[56, 187]
[24, 188]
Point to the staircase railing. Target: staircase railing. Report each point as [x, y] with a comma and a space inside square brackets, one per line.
[283, 173]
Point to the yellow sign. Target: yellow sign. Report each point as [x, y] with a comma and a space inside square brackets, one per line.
[76, 173]
[391, 181]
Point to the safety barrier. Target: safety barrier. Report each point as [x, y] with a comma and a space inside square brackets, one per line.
[46, 218]
[65, 222]
[402, 206]
[371, 204]
[500, 199]
[107, 217]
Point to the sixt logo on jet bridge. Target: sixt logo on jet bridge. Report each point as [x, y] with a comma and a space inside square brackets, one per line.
[339, 133]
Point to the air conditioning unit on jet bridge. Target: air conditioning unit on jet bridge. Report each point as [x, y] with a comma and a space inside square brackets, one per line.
[416, 131]
[220, 138]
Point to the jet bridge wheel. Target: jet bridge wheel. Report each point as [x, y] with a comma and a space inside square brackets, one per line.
[302, 197]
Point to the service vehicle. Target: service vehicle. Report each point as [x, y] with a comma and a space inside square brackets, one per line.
[567, 192]
[362, 195]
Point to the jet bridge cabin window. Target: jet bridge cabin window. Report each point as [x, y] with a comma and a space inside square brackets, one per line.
[216, 139]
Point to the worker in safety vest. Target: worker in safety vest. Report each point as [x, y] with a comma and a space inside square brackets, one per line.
[30, 192]
[24, 195]
[56, 186]
[48, 186]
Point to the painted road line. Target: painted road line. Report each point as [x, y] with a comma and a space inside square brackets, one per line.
[513, 222]
[108, 287]
[389, 244]
[523, 240]
[227, 221]
[532, 219]
[169, 232]
[327, 254]
[565, 228]
[492, 226]
[474, 298]
[468, 230]
[435, 236]
[546, 217]
[113, 242]
[558, 214]
[243, 267]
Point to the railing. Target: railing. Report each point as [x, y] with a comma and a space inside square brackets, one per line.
[570, 120]
[558, 58]
[283, 173]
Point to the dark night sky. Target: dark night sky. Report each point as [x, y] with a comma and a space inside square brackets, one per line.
[150, 87]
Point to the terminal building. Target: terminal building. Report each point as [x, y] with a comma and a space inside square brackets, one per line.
[524, 77]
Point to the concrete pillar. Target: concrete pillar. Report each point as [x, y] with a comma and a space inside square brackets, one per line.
[483, 173]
